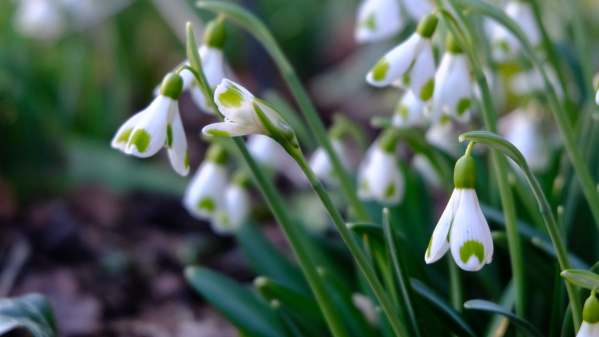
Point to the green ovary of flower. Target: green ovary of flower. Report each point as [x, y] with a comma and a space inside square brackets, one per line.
[472, 248]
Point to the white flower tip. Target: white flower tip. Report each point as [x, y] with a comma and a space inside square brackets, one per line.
[230, 95]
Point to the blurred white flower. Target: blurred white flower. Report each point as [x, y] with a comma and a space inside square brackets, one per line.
[410, 64]
[236, 209]
[418, 8]
[271, 154]
[523, 129]
[40, 19]
[377, 20]
[462, 227]
[157, 126]
[380, 177]
[590, 317]
[409, 112]
[205, 195]
[531, 81]
[453, 85]
[444, 136]
[321, 163]
[425, 168]
[366, 307]
[505, 44]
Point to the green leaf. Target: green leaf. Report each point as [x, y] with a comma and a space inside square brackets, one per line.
[241, 306]
[460, 326]
[31, 313]
[582, 278]
[301, 308]
[265, 259]
[483, 305]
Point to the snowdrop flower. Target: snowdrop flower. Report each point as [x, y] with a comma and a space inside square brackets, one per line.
[321, 163]
[271, 154]
[411, 63]
[462, 227]
[505, 44]
[157, 126]
[444, 136]
[365, 305]
[590, 317]
[377, 20]
[379, 176]
[522, 128]
[236, 206]
[418, 8]
[425, 168]
[409, 112]
[213, 64]
[41, 19]
[244, 114]
[204, 194]
[453, 84]
[531, 81]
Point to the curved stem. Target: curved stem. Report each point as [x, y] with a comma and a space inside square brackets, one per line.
[500, 170]
[275, 203]
[255, 27]
[360, 258]
[502, 145]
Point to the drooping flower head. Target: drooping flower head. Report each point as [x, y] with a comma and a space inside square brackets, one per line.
[523, 129]
[410, 64]
[462, 227]
[409, 112]
[377, 20]
[236, 206]
[590, 317]
[453, 84]
[505, 44]
[204, 194]
[379, 177]
[214, 65]
[157, 126]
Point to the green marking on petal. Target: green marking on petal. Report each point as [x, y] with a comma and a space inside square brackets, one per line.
[141, 140]
[406, 79]
[504, 46]
[169, 135]
[206, 204]
[186, 160]
[403, 112]
[365, 186]
[428, 249]
[427, 90]
[472, 248]
[390, 191]
[218, 133]
[231, 97]
[123, 137]
[370, 22]
[379, 72]
[463, 106]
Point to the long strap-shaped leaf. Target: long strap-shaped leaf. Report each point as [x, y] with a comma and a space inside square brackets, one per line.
[483, 305]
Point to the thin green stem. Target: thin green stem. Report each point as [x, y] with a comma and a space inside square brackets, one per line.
[278, 208]
[255, 27]
[360, 258]
[455, 286]
[499, 165]
[400, 272]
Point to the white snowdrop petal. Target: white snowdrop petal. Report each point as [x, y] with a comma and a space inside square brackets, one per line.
[418, 8]
[39, 19]
[121, 137]
[320, 164]
[267, 151]
[422, 74]
[396, 62]
[212, 64]
[237, 205]
[233, 100]
[425, 168]
[228, 129]
[439, 243]
[377, 20]
[204, 194]
[409, 111]
[149, 134]
[522, 130]
[588, 330]
[597, 97]
[385, 178]
[471, 243]
[453, 88]
[177, 143]
[444, 136]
